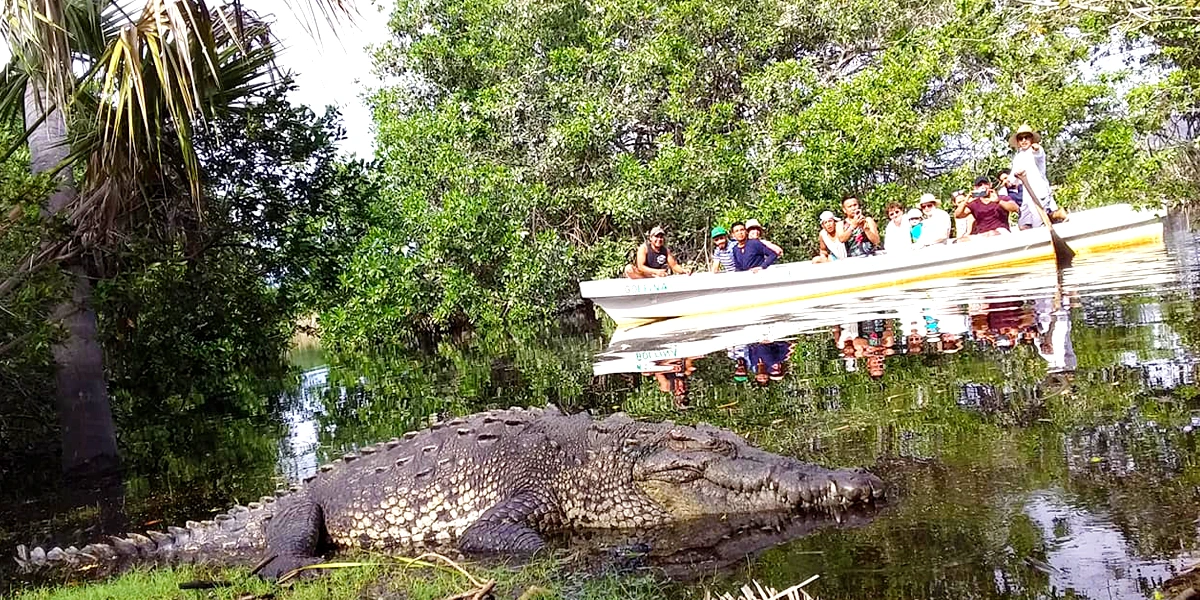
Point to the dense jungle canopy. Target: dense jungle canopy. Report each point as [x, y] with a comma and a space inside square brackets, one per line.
[525, 146]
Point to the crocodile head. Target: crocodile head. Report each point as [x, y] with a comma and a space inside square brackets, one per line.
[691, 472]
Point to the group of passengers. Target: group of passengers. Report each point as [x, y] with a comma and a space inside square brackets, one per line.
[983, 211]
[748, 251]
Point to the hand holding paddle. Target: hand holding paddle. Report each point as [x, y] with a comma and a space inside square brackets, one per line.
[1063, 253]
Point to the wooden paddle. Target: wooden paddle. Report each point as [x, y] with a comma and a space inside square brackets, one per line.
[1063, 254]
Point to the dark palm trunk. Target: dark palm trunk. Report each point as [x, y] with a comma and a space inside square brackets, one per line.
[89, 441]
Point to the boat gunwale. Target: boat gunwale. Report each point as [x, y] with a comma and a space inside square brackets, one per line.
[749, 284]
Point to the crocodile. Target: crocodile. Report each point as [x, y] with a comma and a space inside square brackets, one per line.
[497, 482]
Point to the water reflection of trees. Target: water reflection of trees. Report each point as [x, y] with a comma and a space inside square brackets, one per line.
[965, 438]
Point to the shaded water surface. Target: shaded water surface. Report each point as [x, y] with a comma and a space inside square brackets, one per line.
[1037, 431]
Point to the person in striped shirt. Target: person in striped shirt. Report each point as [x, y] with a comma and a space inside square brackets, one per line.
[722, 261]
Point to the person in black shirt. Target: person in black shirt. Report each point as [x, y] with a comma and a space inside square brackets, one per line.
[654, 258]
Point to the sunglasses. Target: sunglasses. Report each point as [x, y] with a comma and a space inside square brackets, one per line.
[895, 213]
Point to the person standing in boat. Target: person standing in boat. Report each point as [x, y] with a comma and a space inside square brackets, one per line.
[750, 255]
[654, 258]
[722, 258]
[897, 236]
[935, 228]
[990, 212]
[1030, 162]
[828, 246]
[858, 231]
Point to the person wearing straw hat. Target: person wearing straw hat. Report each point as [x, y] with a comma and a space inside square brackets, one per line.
[935, 229]
[654, 258]
[1030, 162]
[755, 231]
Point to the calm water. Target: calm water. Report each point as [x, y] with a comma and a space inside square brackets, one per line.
[1037, 431]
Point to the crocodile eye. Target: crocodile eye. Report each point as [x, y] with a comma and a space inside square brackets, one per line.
[677, 475]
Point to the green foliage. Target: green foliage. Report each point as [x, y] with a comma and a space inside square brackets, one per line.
[196, 332]
[25, 330]
[525, 148]
[371, 396]
[195, 327]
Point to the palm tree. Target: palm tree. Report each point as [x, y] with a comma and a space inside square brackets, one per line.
[116, 97]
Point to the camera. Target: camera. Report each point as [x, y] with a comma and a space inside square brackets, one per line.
[979, 193]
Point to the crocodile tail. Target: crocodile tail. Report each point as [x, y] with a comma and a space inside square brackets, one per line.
[236, 536]
[107, 557]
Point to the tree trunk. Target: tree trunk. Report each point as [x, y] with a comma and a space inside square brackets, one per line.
[89, 438]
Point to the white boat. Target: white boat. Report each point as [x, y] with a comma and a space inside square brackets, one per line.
[633, 301]
[658, 346]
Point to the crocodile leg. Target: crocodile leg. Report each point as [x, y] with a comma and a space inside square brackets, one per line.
[293, 536]
[506, 527]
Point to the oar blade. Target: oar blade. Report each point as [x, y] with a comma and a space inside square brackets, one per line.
[1063, 253]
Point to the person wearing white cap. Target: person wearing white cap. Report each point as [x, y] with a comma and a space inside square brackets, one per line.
[897, 236]
[935, 228]
[829, 248]
[1029, 163]
[654, 259]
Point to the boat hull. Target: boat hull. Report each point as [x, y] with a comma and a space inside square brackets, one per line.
[632, 301]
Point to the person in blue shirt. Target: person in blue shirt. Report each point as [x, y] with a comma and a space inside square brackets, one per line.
[748, 254]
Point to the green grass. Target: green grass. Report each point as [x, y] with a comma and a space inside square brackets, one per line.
[386, 579]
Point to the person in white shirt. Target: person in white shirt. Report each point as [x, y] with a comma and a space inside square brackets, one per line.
[829, 246]
[1030, 162]
[935, 228]
[962, 226]
[897, 237]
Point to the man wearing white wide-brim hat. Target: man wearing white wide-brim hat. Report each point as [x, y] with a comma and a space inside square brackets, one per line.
[935, 229]
[1030, 162]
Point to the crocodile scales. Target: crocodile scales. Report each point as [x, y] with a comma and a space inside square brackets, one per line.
[495, 482]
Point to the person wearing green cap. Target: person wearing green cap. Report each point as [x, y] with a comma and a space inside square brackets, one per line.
[722, 259]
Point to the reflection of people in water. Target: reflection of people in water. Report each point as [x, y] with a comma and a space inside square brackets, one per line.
[769, 360]
[1054, 335]
[673, 379]
[873, 339]
[1002, 325]
[766, 360]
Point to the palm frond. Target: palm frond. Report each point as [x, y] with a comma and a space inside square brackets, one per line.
[36, 33]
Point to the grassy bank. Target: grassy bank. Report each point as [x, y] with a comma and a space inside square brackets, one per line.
[378, 578]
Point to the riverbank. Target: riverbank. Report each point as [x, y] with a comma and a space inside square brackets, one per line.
[380, 577]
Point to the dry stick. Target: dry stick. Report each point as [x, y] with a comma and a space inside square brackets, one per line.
[453, 565]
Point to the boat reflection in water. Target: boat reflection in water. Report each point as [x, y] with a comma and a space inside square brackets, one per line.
[999, 310]
[1035, 423]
